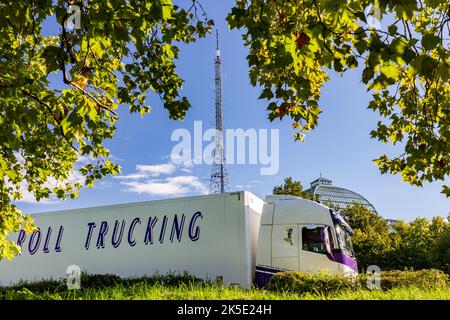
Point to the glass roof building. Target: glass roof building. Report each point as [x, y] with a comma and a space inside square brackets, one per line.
[340, 197]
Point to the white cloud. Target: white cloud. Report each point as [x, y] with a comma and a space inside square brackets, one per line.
[169, 186]
[28, 197]
[148, 179]
[74, 177]
[135, 176]
[156, 170]
[84, 159]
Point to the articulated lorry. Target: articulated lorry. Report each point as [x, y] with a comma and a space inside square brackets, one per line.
[235, 238]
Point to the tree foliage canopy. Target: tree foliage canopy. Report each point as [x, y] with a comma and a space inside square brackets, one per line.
[420, 244]
[295, 45]
[121, 52]
[294, 188]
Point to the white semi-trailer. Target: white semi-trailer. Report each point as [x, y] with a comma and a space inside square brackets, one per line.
[233, 237]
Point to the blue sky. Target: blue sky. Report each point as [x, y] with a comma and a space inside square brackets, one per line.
[339, 148]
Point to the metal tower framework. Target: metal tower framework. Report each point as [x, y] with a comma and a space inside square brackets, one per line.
[219, 176]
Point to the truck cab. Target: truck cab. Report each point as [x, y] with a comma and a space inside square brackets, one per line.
[302, 235]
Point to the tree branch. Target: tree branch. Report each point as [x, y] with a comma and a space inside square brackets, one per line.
[49, 109]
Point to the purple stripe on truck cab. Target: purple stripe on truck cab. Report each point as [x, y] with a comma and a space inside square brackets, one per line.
[349, 262]
[264, 274]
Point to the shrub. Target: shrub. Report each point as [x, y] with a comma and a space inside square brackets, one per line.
[25, 290]
[424, 279]
[322, 283]
[49, 285]
[326, 284]
[420, 244]
[100, 280]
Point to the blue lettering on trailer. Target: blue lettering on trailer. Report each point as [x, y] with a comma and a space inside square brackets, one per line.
[58, 240]
[91, 226]
[33, 246]
[177, 228]
[47, 240]
[116, 242]
[39, 241]
[101, 235]
[131, 241]
[149, 232]
[194, 236]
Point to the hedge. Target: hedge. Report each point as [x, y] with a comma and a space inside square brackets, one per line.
[322, 283]
[423, 279]
[326, 283]
[100, 281]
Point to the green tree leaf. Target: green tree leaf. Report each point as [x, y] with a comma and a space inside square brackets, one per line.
[430, 41]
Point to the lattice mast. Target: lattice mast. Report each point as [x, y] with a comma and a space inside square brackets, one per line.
[219, 176]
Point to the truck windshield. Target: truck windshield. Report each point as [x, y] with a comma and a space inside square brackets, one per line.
[344, 239]
[343, 233]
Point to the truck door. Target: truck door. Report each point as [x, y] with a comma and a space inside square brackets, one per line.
[313, 242]
[285, 247]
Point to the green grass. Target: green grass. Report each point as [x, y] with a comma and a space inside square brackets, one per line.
[411, 293]
[142, 290]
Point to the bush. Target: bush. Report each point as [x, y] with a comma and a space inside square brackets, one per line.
[98, 281]
[321, 283]
[49, 285]
[326, 284]
[424, 279]
[420, 244]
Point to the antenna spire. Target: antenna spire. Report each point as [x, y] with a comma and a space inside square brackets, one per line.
[219, 176]
[217, 44]
[217, 39]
